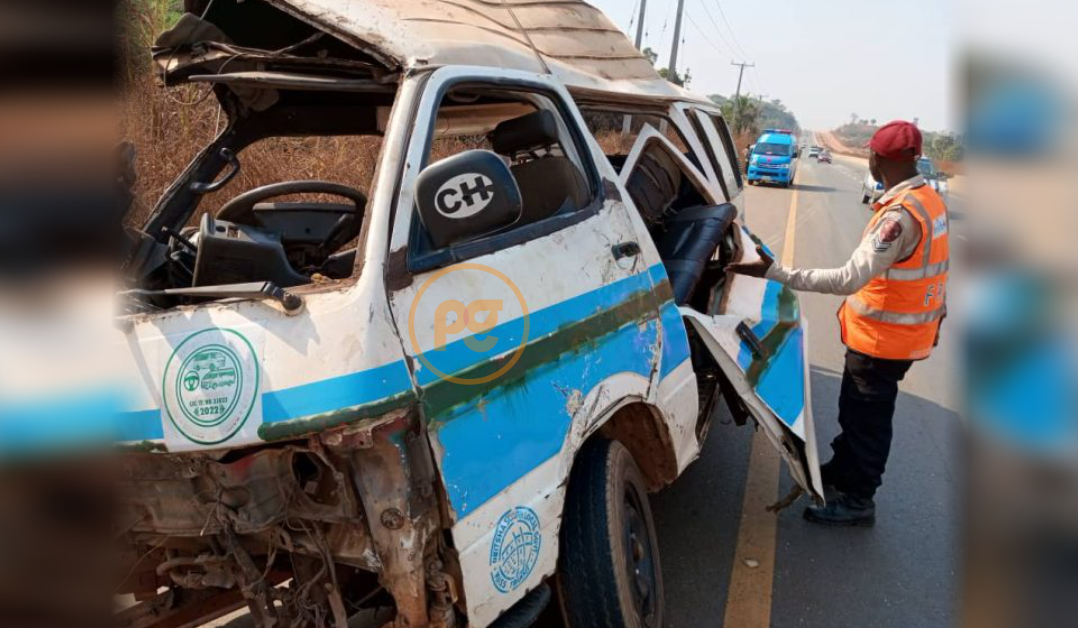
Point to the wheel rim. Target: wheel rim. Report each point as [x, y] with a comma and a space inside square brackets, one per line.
[640, 560]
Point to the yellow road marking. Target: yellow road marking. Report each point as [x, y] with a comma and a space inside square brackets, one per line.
[748, 599]
[791, 229]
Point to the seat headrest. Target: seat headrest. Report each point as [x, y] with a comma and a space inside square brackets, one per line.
[535, 130]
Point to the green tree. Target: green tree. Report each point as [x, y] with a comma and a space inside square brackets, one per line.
[743, 116]
[674, 78]
[944, 146]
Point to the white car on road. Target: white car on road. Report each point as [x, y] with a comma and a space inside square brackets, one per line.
[872, 190]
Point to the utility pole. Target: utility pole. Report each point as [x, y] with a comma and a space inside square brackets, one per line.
[677, 39]
[640, 24]
[737, 97]
[627, 121]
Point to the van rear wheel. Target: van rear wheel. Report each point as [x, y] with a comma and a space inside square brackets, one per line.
[609, 564]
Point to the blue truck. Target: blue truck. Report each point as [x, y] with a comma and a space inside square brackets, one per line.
[773, 158]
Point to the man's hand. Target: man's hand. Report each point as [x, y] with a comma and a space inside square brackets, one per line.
[753, 269]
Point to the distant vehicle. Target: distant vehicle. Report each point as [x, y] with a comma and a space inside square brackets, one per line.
[824, 157]
[871, 189]
[814, 152]
[773, 158]
[933, 176]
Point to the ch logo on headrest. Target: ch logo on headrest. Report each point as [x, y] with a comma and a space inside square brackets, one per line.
[464, 195]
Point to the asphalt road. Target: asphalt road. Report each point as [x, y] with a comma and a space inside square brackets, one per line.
[903, 572]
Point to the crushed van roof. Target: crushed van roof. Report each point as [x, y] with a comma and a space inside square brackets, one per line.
[568, 38]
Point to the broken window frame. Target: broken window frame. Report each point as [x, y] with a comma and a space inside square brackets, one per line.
[417, 260]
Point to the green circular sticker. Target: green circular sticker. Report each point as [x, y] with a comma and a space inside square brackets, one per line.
[210, 385]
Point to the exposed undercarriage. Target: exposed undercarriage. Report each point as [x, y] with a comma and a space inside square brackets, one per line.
[306, 533]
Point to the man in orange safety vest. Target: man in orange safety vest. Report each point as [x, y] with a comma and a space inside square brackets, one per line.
[895, 285]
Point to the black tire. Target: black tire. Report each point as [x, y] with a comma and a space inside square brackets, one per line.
[864, 199]
[609, 564]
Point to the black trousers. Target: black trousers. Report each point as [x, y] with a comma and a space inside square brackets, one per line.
[866, 409]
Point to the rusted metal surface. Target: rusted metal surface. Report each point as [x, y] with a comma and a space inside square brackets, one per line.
[647, 439]
[211, 529]
[400, 497]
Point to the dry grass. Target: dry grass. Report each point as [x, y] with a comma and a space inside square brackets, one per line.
[170, 126]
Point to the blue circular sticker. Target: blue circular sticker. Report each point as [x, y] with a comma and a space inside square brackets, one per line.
[515, 548]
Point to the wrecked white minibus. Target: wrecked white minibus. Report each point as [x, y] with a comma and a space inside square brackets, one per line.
[446, 394]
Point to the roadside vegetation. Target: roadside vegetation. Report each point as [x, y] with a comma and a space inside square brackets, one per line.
[749, 116]
[168, 126]
[946, 149]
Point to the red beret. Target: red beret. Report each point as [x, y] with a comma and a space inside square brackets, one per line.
[893, 139]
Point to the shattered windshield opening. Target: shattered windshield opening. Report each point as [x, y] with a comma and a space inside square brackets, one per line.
[265, 184]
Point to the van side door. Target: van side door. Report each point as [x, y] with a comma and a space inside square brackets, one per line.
[755, 333]
[518, 340]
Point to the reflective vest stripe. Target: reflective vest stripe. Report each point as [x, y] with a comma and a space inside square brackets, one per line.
[925, 272]
[897, 318]
[926, 237]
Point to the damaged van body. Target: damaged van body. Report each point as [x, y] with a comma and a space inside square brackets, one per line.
[445, 396]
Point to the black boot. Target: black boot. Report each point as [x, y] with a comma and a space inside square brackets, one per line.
[845, 510]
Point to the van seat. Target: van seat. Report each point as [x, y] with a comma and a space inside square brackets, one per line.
[689, 240]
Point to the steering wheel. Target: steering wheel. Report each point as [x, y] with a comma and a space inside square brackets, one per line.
[241, 209]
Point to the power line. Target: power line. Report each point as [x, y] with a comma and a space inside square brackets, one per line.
[737, 97]
[666, 20]
[733, 36]
[706, 38]
[718, 31]
[658, 49]
[640, 26]
[756, 79]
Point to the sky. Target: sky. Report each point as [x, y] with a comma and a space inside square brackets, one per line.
[825, 59]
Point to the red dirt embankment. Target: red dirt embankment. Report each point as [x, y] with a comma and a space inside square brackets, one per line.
[835, 145]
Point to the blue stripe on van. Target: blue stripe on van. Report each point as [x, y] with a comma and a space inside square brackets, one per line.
[392, 379]
[782, 385]
[458, 357]
[490, 443]
[328, 395]
[675, 339]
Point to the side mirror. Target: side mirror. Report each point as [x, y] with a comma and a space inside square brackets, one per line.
[467, 196]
